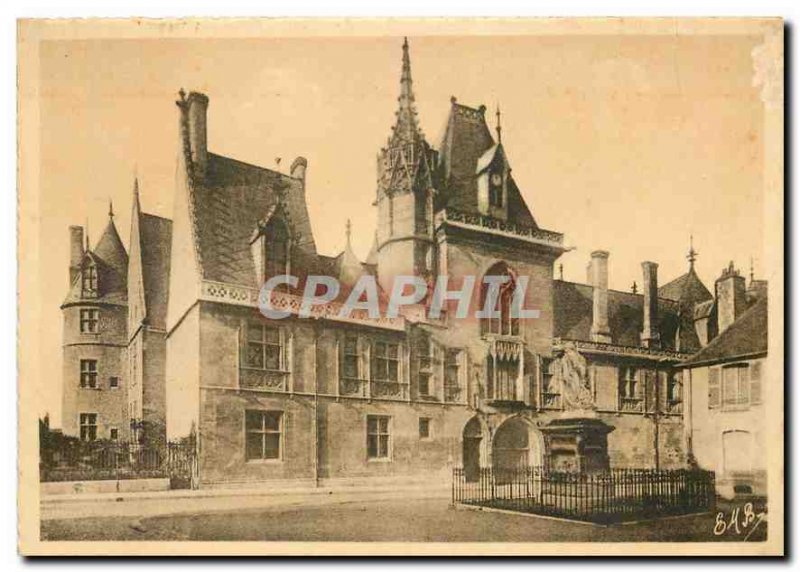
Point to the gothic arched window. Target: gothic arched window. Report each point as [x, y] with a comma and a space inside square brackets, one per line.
[501, 322]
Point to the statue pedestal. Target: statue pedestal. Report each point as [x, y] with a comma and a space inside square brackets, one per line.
[577, 443]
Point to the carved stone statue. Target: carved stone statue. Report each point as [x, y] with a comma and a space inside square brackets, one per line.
[573, 375]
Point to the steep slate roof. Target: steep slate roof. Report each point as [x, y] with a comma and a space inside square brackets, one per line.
[111, 261]
[688, 291]
[466, 140]
[685, 287]
[572, 315]
[747, 336]
[155, 243]
[228, 205]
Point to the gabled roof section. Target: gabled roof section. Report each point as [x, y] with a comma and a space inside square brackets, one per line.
[467, 150]
[466, 139]
[746, 337]
[572, 315]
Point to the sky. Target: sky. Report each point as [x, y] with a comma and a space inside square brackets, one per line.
[623, 143]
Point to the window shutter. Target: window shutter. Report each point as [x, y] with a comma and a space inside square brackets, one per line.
[713, 387]
[755, 382]
[742, 389]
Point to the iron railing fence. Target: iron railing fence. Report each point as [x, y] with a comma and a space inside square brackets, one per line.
[104, 460]
[613, 496]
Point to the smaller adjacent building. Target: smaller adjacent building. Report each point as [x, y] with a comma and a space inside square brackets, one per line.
[725, 420]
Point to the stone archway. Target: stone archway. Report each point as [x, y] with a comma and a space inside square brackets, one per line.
[471, 454]
[516, 445]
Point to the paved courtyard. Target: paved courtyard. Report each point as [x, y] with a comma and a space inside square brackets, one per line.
[385, 519]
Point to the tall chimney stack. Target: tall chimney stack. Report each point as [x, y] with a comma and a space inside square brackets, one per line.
[650, 335]
[298, 169]
[599, 279]
[75, 251]
[731, 297]
[198, 140]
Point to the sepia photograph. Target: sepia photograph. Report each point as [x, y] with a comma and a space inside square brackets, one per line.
[401, 286]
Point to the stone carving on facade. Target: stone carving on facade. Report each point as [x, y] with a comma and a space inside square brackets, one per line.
[572, 373]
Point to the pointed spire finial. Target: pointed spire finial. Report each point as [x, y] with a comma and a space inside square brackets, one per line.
[348, 231]
[752, 271]
[499, 128]
[692, 256]
[110, 209]
[87, 235]
[561, 272]
[634, 288]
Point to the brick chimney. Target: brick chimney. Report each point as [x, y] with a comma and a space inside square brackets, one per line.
[650, 335]
[599, 279]
[76, 251]
[731, 297]
[197, 110]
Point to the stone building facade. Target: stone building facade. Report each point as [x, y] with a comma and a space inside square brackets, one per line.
[407, 396]
[330, 398]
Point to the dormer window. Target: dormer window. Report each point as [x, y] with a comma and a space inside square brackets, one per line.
[89, 280]
[496, 189]
[277, 253]
[271, 248]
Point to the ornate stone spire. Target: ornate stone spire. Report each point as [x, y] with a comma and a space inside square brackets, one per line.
[406, 128]
[407, 162]
[110, 209]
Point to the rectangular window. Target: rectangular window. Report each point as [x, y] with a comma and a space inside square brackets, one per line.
[734, 386]
[88, 320]
[351, 358]
[263, 430]
[451, 368]
[89, 373]
[378, 441]
[387, 361]
[113, 434]
[755, 382]
[264, 347]
[714, 393]
[88, 426]
[424, 428]
[113, 382]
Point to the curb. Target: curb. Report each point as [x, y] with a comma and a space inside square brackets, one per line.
[51, 500]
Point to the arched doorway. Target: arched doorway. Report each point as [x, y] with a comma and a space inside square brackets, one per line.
[514, 446]
[471, 454]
